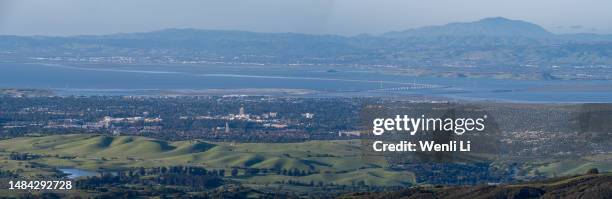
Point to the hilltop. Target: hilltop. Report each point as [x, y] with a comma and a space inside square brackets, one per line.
[494, 26]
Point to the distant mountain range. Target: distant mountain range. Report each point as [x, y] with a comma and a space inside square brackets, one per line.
[496, 26]
[487, 42]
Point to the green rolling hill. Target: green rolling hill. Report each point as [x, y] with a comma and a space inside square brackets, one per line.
[330, 161]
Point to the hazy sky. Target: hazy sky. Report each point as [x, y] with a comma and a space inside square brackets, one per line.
[347, 17]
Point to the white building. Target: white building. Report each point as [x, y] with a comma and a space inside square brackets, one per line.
[308, 115]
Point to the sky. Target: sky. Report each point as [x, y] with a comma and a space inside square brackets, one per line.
[343, 17]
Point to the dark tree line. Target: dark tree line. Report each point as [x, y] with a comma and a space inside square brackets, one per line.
[192, 178]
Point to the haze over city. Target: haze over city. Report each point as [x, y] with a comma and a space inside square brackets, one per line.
[344, 17]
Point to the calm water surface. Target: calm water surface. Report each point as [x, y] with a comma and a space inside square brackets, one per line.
[142, 80]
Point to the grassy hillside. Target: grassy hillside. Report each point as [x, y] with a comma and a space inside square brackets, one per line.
[567, 167]
[330, 161]
[583, 186]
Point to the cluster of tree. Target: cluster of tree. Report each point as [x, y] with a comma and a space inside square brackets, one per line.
[7, 174]
[191, 178]
[23, 156]
[236, 171]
